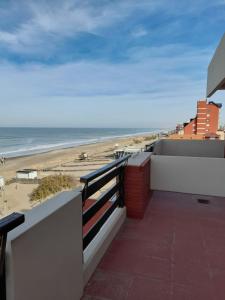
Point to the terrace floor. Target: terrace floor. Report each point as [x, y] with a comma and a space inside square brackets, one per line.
[176, 252]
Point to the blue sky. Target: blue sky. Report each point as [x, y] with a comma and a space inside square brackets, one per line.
[101, 63]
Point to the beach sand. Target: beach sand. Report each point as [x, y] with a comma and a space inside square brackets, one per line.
[16, 196]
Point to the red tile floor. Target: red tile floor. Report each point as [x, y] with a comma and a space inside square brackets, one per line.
[176, 252]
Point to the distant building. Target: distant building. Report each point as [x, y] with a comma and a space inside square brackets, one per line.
[206, 122]
[179, 129]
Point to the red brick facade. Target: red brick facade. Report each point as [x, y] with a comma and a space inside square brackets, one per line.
[190, 128]
[137, 189]
[206, 120]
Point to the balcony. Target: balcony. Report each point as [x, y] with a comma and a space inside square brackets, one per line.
[175, 252]
[153, 228]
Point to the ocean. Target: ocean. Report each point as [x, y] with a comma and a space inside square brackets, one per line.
[20, 141]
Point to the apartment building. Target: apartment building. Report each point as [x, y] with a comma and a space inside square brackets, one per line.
[206, 122]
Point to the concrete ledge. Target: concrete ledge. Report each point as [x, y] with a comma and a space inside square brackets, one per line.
[193, 148]
[97, 248]
[44, 255]
[139, 159]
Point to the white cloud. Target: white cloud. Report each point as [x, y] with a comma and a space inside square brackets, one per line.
[47, 21]
[163, 80]
[44, 22]
[144, 86]
[152, 69]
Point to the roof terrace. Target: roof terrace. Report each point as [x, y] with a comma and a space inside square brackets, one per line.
[175, 252]
[148, 226]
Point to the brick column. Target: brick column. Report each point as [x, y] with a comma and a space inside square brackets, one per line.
[137, 185]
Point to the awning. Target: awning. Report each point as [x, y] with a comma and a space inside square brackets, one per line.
[216, 70]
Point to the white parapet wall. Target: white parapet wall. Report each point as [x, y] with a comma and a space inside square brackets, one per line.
[44, 256]
[195, 148]
[195, 175]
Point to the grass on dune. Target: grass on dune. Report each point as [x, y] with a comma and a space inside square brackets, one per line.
[51, 185]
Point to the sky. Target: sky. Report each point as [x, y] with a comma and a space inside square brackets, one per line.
[106, 63]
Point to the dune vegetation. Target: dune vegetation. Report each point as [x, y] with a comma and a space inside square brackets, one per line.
[52, 184]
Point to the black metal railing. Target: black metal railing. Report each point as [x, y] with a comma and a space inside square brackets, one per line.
[93, 182]
[6, 224]
[150, 147]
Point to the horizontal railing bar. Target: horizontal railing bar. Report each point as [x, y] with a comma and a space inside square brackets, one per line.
[150, 144]
[88, 214]
[104, 169]
[98, 184]
[10, 222]
[97, 226]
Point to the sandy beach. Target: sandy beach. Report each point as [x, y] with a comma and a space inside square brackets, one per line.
[16, 196]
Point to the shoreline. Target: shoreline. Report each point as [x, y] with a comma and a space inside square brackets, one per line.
[55, 157]
[16, 195]
[103, 140]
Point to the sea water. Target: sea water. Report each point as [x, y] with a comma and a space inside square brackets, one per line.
[20, 141]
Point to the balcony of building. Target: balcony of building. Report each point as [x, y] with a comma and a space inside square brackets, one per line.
[175, 252]
[150, 226]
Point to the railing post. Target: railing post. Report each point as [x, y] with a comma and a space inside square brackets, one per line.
[121, 188]
[84, 192]
[150, 147]
[6, 224]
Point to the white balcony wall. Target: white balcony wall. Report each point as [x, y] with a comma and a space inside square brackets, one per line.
[195, 148]
[97, 248]
[44, 255]
[195, 175]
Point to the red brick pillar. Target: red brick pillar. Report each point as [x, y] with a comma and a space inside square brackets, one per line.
[137, 185]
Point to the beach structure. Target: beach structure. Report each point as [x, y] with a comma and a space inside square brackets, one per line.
[2, 183]
[2, 160]
[126, 151]
[161, 238]
[83, 156]
[27, 174]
